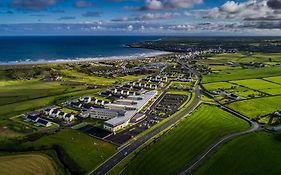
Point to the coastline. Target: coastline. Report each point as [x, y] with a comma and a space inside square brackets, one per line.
[85, 60]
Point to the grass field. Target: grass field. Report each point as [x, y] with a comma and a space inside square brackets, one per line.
[257, 84]
[219, 85]
[14, 109]
[241, 74]
[175, 84]
[29, 164]
[257, 107]
[87, 152]
[17, 91]
[97, 80]
[175, 150]
[272, 91]
[257, 153]
[246, 58]
[274, 79]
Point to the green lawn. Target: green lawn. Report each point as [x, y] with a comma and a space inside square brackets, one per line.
[274, 79]
[272, 91]
[218, 85]
[253, 108]
[241, 74]
[257, 84]
[174, 151]
[14, 109]
[175, 84]
[87, 152]
[257, 153]
[17, 91]
[73, 75]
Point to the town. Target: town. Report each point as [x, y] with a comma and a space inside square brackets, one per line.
[97, 117]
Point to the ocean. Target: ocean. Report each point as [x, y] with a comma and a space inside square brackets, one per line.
[32, 49]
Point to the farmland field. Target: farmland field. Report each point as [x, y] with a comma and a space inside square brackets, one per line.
[257, 107]
[26, 165]
[274, 79]
[256, 153]
[10, 110]
[87, 152]
[257, 84]
[173, 151]
[219, 85]
[272, 91]
[241, 74]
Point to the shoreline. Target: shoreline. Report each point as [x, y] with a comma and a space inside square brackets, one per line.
[85, 60]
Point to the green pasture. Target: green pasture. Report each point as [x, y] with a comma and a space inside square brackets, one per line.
[256, 84]
[219, 85]
[253, 108]
[171, 153]
[276, 79]
[256, 153]
[241, 74]
[85, 151]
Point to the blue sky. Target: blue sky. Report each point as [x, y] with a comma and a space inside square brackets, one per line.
[140, 17]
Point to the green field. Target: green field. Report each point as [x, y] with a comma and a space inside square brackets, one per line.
[253, 108]
[86, 152]
[175, 150]
[272, 91]
[257, 153]
[274, 79]
[27, 164]
[256, 84]
[17, 91]
[175, 84]
[246, 57]
[241, 74]
[97, 80]
[219, 85]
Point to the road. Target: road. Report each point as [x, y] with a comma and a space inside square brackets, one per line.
[254, 127]
[125, 151]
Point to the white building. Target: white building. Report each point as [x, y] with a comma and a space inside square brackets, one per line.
[120, 122]
[105, 114]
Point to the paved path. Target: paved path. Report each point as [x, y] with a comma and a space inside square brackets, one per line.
[124, 152]
[254, 127]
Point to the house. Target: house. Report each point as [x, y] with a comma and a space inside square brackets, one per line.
[31, 118]
[55, 113]
[61, 115]
[69, 117]
[86, 99]
[277, 114]
[233, 96]
[43, 122]
[49, 110]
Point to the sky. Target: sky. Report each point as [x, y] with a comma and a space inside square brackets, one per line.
[140, 17]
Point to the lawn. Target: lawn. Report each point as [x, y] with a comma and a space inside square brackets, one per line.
[73, 75]
[253, 108]
[218, 85]
[87, 152]
[274, 79]
[176, 149]
[257, 153]
[175, 84]
[14, 109]
[272, 91]
[27, 164]
[241, 74]
[257, 84]
[17, 91]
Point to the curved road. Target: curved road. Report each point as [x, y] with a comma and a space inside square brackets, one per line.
[254, 127]
[125, 151]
